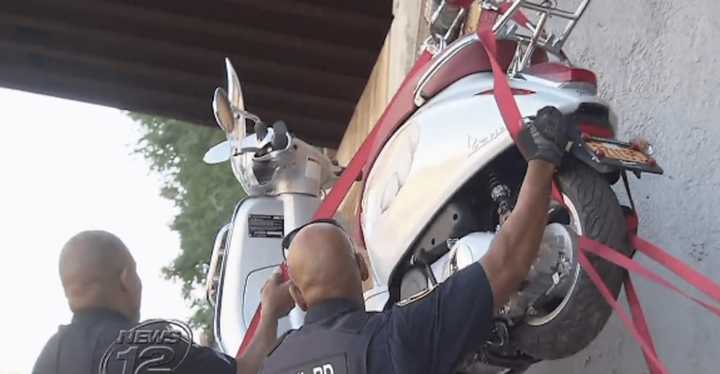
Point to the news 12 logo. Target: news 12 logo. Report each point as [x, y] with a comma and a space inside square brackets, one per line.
[154, 346]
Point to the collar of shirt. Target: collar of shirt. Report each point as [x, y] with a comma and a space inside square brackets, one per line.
[97, 314]
[330, 308]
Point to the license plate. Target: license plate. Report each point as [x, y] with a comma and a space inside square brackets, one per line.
[612, 152]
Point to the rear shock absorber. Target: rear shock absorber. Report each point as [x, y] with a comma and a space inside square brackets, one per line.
[501, 195]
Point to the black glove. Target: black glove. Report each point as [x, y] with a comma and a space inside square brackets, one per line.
[546, 137]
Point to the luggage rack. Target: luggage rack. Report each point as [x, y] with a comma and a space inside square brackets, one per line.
[446, 20]
[507, 27]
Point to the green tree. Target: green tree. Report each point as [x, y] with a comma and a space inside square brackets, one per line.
[204, 195]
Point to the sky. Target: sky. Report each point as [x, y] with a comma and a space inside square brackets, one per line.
[65, 167]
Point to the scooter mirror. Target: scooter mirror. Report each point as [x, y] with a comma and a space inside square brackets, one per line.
[219, 153]
[234, 88]
[223, 111]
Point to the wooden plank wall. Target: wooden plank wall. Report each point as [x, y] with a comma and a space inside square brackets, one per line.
[395, 60]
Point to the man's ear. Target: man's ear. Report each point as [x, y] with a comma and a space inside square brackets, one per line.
[362, 266]
[297, 295]
[125, 280]
[130, 281]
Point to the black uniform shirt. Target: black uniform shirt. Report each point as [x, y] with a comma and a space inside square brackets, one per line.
[428, 335]
[78, 348]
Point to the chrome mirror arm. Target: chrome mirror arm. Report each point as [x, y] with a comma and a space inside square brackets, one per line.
[240, 114]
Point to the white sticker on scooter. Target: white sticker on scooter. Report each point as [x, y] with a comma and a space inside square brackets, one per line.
[265, 226]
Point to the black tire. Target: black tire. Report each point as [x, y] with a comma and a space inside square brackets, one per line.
[586, 312]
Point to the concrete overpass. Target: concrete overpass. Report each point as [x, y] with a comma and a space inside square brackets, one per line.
[303, 61]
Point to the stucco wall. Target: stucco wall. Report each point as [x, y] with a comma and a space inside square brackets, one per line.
[657, 63]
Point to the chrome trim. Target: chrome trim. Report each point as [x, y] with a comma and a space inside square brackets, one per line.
[218, 305]
[534, 39]
[446, 55]
[507, 15]
[212, 281]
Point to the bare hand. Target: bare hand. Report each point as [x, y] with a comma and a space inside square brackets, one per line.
[276, 299]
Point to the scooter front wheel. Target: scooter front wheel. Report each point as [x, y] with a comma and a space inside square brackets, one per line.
[570, 323]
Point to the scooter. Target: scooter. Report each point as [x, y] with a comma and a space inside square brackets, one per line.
[440, 183]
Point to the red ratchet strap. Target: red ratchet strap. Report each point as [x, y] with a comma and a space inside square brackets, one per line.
[519, 17]
[643, 339]
[702, 283]
[639, 320]
[643, 336]
[513, 121]
[638, 325]
[699, 281]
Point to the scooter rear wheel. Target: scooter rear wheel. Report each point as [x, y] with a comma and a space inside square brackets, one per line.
[582, 314]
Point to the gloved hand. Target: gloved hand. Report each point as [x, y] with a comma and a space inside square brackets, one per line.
[546, 137]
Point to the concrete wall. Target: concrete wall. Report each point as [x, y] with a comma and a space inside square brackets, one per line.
[657, 63]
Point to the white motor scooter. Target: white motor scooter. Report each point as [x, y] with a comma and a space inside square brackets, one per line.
[284, 178]
[439, 185]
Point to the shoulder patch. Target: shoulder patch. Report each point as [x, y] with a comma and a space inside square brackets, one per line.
[418, 296]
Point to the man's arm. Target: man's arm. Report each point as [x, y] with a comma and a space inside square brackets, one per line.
[276, 303]
[516, 246]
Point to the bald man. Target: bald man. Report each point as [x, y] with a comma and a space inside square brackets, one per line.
[103, 290]
[432, 332]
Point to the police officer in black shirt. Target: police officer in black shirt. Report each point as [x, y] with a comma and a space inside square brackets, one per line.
[103, 291]
[430, 334]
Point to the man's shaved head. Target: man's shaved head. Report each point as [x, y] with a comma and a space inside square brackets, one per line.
[323, 265]
[98, 271]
